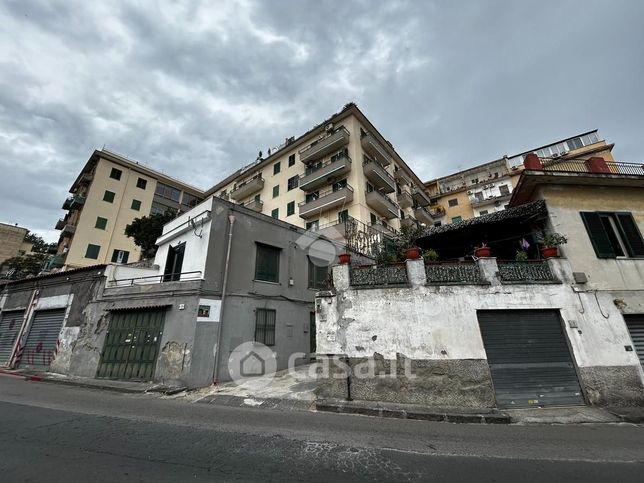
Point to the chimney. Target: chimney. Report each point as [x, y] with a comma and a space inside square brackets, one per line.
[597, 164]
[532, 162]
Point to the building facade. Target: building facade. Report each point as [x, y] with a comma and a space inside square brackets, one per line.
[109, 193]
[12, 241]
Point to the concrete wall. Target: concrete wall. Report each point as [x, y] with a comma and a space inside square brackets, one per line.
[435, 327]
[11, 239]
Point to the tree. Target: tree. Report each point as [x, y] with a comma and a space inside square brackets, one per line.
[24, 266]
[146, 230]
[39, 245]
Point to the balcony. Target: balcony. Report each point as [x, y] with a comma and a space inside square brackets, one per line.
[319, 174]
[380, 227]
[255, 205]
[86, 177]
[436, 211]
[247, 188]
[373, 147]
[404, 198]
[326, 200]
[74, 202]
[378, 176]
[423, 215]
[402, 177]
[61, 223]
[68, 230]
[476, 201]
[382, 204]
[410, 222]
[420, 197]
[320, 148]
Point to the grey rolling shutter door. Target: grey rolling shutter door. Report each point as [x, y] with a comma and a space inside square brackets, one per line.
[597, 234]
[529, 358]
[635, 324]
[631, 234]
[40, 347]
[10, 323]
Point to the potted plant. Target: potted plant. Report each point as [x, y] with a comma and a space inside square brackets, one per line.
[483, 251]
[345, 258]
[407, 240]
[412, 253]
[521, 256]
[551, 244]
[430, 255]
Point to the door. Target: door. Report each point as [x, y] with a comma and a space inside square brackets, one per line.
[635, 324]
[40, 346]
[312, 332]
[529, 358]
[10, 323]
[132, 345]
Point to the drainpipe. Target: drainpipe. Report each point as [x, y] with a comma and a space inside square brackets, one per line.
[231, 222]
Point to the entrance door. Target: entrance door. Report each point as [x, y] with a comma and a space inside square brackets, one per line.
[10, 323]
[529, 358]
[312, 332]
[132, 344]
[635, 324]
[40, 347]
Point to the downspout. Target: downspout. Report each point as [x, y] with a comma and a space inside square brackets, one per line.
[231, 223]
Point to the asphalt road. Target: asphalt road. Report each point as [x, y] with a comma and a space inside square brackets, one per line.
[59, 433]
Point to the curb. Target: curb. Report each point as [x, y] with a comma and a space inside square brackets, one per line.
[126, 390]
[252, 402]
[416, 414]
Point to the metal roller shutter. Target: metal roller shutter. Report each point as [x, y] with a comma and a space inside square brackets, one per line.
[40, 347]
[529, 358]
[635, 324]
[10, 323]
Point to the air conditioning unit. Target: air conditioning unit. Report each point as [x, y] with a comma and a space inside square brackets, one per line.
[470, 192]
[556, 155]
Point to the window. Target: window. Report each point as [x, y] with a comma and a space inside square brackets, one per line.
[275, 213]
[343, 216]
[457, 219]
[290, 208]
[174, 263]
[313, 225]
[293, 183]
[370, 188]
[267, 263]
[277, 168]
[141, 183]
[312, 196]
[92, 251]
[475, 180]
[338, 185]
[373, 218]
[483, 212]
[613, 234]
[136, 205]
[504, 189]
[265, 326]
[159, 209]
[478, 196]
[120, 256]
[276, 191]
[318, 271]
[101, 223]
[116, 174]
[452, 202]
[169, 192]
[437, 223]
[189, 200]
[109, 196]
[291, 160]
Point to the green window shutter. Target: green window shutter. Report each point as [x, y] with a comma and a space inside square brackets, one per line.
[631, 234]
[267, 263]
[597, 234]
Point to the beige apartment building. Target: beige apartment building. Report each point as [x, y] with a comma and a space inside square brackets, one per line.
[108, 194]
[12, 241]
[341, 175]
[488, 187]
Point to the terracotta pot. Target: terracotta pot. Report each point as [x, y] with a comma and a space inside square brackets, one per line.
[412, 253]
[549, 252]
[483, 252]
[345, 258]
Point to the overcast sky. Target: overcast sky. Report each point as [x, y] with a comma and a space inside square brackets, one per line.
[196, 89]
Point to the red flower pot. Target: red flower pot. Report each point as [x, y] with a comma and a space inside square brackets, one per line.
[549, 252]
[412, 253]
[345, 258]
[483, 252]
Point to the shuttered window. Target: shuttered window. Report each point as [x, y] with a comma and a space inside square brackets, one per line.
[613, 234]
[265, 326]
[267, 263]
[318, 270]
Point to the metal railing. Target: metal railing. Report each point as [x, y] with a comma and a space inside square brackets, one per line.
[446, 272]
[318, 141]
[366, 160]
[580, 166]
[379, 275]
[626, 168]
[528, 271]
[246, 181]
[318, 166]
[161, 278]
[325, 192]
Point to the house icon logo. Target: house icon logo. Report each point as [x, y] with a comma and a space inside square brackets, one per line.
[252, 363]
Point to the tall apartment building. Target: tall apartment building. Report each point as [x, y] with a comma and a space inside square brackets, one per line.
[108, 194]
[342, 177]
[487, 188]
[12, 241]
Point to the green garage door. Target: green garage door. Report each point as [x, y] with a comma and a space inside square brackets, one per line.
[132, 344]
[10, 323]
[529, 358]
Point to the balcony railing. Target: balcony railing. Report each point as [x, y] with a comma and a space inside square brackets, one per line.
[436, 211]
[378, 175]
[528, 271]
[333, 142]
[68, 229]
[382, 228]
[581, 166]
[74, 202]
[420, 197]
[60, 224]
[255, 205]
[489, 199]
[326, 200]
[401, 176]
[447, 273]
[382, 204]
[372, 146]
[155, 279]
[318, 174]
[404, 198]
[379, 275]
[423, 215]
[247, 187]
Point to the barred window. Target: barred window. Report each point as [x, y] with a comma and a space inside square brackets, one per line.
[265, 326]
